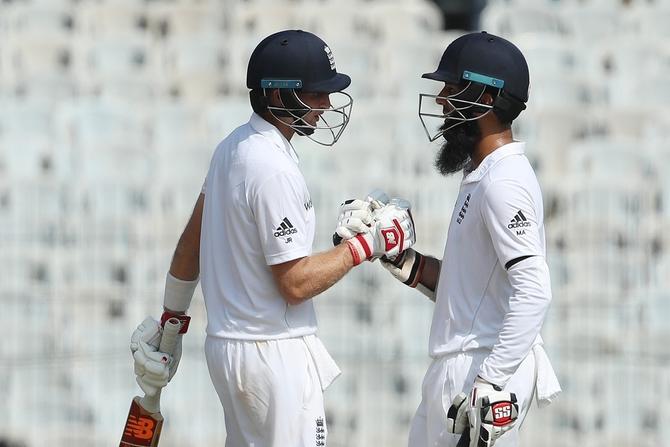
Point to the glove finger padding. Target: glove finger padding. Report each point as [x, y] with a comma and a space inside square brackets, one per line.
[491, 416]
[356, 215]
[149, 331]
[377, 199]
[154, 369]
[151, 367]
[457, 415]
[350, 227]
[364, 215]
[356, 208]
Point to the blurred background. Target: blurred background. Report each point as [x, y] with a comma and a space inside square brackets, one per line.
[111, 109]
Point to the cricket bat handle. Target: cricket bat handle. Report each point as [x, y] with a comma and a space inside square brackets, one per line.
[145, 422]
[465, 438]
[168, 342]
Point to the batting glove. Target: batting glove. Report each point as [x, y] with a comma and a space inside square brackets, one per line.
[490, 413]
[407, 267]
[154, 369]
[356, 215]
[392, 233]
[457, 415]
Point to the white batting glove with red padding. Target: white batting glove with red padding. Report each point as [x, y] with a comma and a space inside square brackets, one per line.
[355, 215]
[392, 232]
[491, 413]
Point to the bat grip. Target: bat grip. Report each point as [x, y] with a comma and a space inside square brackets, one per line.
[167, 345]
[465, 438]
[169, 337]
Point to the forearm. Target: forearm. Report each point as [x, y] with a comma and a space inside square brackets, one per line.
[430, 275]
[184, 271]
[309, 276]
[185, 263]
[523, 322]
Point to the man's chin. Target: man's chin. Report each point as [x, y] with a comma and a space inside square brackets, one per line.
[449, 162]
[304, 130]
[303, 127]
[459, 145]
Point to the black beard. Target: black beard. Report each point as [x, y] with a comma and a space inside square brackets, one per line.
[459, 146]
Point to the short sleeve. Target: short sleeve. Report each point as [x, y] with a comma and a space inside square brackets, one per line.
[281, 218]
[510, 215]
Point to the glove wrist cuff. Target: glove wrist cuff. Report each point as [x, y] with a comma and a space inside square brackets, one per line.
[360, 248]
[416, 271]
[409, 267]
[185, 320]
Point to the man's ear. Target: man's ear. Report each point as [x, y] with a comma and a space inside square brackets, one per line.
[274, 98]
[487, 99]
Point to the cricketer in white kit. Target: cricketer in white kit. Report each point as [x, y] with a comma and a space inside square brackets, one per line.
[249, 241]
[492, 287]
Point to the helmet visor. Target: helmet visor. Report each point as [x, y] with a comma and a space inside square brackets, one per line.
[323, 126]
[441, 113]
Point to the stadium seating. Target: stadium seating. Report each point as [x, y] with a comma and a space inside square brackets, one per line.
[111, 109]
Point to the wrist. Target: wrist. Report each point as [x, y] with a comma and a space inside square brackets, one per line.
[409, 267]
[185, 320]
[178, 293]
[481, 382]
[359, 246]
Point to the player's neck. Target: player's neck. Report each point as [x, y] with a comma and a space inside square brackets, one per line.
[282, 127]
[492, 138]
[285, 130]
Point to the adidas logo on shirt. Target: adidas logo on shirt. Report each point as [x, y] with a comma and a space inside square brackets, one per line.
[285, 228]
[519, 221]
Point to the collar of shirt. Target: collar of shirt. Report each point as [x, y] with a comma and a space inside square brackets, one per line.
[273, 134]
[514, 148]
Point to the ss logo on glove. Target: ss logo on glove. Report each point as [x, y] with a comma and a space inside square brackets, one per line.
[502, 413]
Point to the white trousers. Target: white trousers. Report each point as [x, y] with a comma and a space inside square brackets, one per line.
[270, 390]
[452, 374]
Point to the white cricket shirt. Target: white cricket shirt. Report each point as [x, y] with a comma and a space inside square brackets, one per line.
[257, 213]
[481, 300]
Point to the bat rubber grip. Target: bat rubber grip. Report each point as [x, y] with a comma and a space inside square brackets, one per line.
[465, 438]
[169, 337]
[336, 239]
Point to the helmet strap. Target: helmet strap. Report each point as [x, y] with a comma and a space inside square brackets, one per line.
[507, 107]
[259, 102]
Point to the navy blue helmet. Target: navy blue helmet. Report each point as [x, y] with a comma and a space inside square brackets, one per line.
[298, 61]
[478, 61]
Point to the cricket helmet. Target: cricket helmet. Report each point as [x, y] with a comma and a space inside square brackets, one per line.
[478, 61]
[295, 61]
